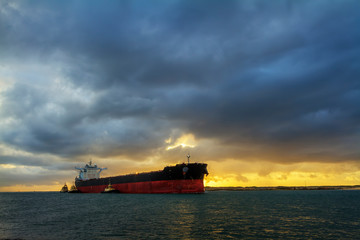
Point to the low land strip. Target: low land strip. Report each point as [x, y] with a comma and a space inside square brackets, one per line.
[355, 187]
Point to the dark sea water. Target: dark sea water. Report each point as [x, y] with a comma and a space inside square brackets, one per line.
[213, 215]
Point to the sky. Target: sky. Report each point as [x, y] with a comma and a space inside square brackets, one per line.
[267, 93]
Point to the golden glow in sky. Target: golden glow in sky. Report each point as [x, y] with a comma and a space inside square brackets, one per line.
[226, 173]
[32, 188]
[274, 174]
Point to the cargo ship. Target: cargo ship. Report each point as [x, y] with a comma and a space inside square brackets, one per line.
[181, 178]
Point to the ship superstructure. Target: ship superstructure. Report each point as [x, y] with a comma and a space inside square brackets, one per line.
[89, 172]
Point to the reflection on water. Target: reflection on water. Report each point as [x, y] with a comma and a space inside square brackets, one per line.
[183, 213]
[213, 215]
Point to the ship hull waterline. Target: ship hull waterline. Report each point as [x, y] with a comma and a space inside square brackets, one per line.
[164, 186]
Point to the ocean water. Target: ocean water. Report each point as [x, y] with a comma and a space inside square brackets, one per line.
[213, 215]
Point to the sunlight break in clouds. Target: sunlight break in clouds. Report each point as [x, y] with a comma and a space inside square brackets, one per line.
[186, 140]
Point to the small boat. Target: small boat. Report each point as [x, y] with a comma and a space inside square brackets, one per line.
[110, 189]
[73, 189]
[64, 189]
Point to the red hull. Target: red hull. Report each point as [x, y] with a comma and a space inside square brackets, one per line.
[166, 186]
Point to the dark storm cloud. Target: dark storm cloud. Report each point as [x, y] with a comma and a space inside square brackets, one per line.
[32, 176]
[284, 75]
[43, 162]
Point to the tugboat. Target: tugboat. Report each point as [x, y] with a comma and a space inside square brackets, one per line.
[110, 189]
[73, 189]
[64, 189]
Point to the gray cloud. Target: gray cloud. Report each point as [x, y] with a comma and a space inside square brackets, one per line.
[281, 77]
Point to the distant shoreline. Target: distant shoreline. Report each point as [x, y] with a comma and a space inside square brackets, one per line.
[253, 188]
[354, 187]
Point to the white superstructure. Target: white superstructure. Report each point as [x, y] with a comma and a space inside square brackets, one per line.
[89, 172]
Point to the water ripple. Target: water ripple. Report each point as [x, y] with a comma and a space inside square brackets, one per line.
[214, 215]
